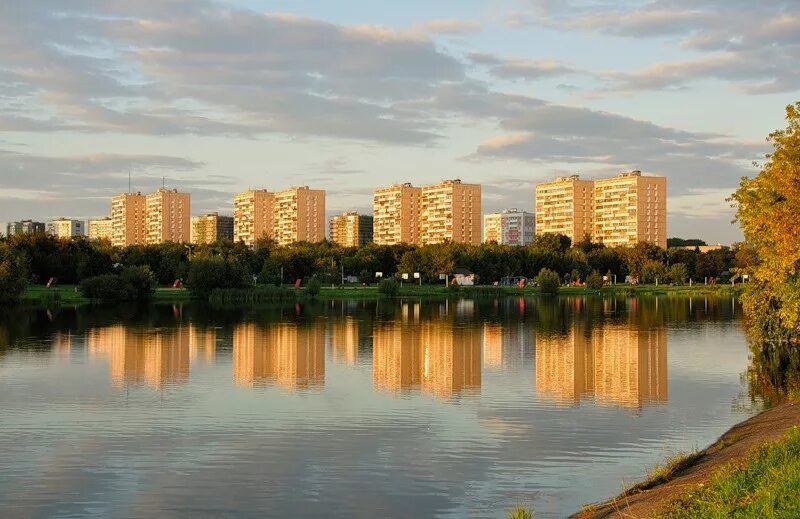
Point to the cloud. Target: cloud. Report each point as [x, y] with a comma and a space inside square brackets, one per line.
[526, 69]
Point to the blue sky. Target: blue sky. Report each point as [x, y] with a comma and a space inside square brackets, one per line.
[348, 96]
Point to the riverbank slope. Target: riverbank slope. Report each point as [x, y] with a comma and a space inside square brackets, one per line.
[733, 449]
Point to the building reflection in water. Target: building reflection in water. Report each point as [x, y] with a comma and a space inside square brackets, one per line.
[202, 344]
[615, 363]
[435, 356]
[158, 358]
[286, 355]
[344, 340]
[503, 344]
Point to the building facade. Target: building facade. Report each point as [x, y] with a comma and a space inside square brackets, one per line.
[253, 216]
[351, 229]
[101, 229]
[128, 215]
[168, 217]
[630, 208]
[396, 211]
[299, 215]
[66, 228]
[211, 228]
[24, 227]
[450, 211]
[565, 206]
[511, 227]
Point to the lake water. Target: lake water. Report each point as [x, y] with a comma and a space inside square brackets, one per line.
[358, 408]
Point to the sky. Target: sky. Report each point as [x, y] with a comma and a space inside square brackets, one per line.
[215, 97]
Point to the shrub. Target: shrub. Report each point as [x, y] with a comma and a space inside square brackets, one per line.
[594, 281]
[13, 276]
[205, 275]
[678, 273]
[141, 280]
[313, 287]
[107, 287]
[389, 287]
[548, 281]
[256, 295]
[653, 271]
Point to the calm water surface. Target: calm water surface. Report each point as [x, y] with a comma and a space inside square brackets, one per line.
[358, 409]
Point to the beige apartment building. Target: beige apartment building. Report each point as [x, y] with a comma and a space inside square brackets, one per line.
[396, 212]
[351, 229]
[565, 206]
[211, 228]
[101, 229]
[630, 208]
[299, 215]
[450, 211]
[510, 227]
[128, 215]
[253, 216]
[168, 217]
[66, 228]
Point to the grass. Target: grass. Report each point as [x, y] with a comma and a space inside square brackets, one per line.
[767, 485]
[663, 473]
[520, 512]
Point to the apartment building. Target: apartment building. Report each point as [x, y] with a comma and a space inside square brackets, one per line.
[510, 227]
[253, 216]
[565, 206]
[351, 229]
[299, 215]
[101, 228]
[450, 211]
[66, 228]
[630, 208]
[168, 216]
[24, 227]
[211, 228]
[396, 211]
[128, 219]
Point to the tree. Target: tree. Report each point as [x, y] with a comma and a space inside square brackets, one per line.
[206, 275]
[653, 272]
[677, 273]
[313, 287]
[548, 281]
[768, 209]
[594, 280]
[681, 242]
[13, 275]
[389, 287]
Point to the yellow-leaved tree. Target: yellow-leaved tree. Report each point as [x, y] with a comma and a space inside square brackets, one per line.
[768, 210]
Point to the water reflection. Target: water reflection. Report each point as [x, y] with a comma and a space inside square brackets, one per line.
[286, 355]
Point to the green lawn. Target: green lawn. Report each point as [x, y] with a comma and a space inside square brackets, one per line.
[766, 486]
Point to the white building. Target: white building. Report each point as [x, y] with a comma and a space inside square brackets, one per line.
[66, 228]
[511, 227]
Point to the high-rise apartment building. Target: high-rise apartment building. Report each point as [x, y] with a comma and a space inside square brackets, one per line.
[450, 211]
[128, 215]
[101, 228]
[511, 227]
[168, 216]
[630, 208]
[396, 214]
[211, 228]
[253, 216]
[24, 227]
[351, 229]
[299, 215]
[565, 206]
[66, 228]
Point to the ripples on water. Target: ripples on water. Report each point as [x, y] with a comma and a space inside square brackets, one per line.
[344, 409]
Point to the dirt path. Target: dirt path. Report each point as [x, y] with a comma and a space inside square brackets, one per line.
[732, 447]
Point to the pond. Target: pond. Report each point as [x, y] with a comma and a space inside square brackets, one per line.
[412, 408]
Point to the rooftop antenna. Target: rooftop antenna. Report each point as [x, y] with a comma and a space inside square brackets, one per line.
[163, 182]
[130, 190]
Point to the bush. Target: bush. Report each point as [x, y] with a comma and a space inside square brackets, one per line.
[255, 295]
[653, 271]
[313, 287]
[389, 287]
[594, 281]
[107, 287]
[13, 276]
[548, 281]
[206, 275]
[142, 280]
[678, 273]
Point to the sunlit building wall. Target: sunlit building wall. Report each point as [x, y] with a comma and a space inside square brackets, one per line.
[128, 215]
[511, 227]
[565, 206]
[450, 211]
[396, 211]
[168, 217]
[66, 228]
[630, 208]
[299, 215]
[211, 228]
[253, 216]
[351, 229]
[101, 229]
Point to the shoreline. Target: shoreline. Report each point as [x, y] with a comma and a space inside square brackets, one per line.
[38, 295]
[693, 472]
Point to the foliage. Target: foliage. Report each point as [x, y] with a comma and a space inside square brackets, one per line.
[206, 275]
[132, 284]
[520, 512]
[765, 486]
[594, 280]
[313, 287]
[652, 272]
[141, 279]
[768, 209]
[548, 281]
[677, 274]
[389, 287]
[13, 275]
[681, 242]
[255, 295]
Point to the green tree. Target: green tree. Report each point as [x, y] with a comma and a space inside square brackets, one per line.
[389, 287]
[313, 287]
[548, 281]
[678, 273]
[205, 275]
[13, 275]
[594, 280]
